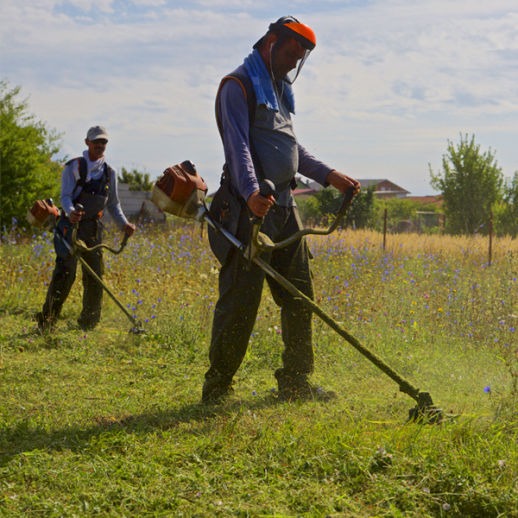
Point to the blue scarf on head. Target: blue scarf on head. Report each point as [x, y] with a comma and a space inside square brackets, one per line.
[263, 85]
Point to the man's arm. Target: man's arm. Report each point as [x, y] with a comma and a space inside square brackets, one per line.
[114, 206]
[234, 117]
[342, 182]
[233, 112]
[68, 185]
[313, 168]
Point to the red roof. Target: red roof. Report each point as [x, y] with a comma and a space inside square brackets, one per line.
[298, 192]
[428, 200]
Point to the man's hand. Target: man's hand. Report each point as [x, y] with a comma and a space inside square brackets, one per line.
[129, 228]
[76, 215]
[343, 182]
[260, 205]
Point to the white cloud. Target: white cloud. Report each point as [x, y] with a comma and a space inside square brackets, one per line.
[388, 84]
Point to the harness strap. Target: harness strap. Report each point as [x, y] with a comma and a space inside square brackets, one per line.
[246, 86]
[248, 91]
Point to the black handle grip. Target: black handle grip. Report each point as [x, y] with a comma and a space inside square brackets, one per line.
[267, 188]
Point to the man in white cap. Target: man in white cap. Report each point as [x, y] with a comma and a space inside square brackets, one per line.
[90, 182]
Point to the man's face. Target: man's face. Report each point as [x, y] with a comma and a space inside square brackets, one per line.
[96, 148]
[285, 57]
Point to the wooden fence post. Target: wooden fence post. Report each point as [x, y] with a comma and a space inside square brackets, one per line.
[384, 228]
[490, 247]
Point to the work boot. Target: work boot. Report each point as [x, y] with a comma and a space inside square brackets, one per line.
[298, 388]
[86, 325]
[216, 389]
[45, 323]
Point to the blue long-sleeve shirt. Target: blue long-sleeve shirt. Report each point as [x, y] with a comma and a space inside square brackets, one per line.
[70, 190]
[234, 117]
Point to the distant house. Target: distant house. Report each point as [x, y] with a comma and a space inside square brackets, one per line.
[137, 206]
[306, 187]
[432, 200]
[382, 188]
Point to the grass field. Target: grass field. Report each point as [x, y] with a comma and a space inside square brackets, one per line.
[108, 423]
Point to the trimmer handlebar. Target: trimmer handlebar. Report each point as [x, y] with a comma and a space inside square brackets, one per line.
[261, 242]
[80, 245]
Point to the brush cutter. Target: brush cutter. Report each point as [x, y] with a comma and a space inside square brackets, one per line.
[77, 247]
[191, 204]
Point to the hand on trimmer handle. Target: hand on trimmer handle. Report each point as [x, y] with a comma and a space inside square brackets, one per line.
[259, 203]
[262, 200]
[79, 246]
[129, 230]
[347, 199]
[267, 189]
[77, 214]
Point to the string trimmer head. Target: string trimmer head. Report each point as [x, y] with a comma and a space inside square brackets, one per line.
[425, 411]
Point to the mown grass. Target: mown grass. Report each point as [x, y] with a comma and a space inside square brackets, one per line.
[109, 423]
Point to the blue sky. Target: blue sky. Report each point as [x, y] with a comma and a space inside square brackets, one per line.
[389, 83]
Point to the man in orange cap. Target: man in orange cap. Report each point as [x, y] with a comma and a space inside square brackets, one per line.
[253, 110]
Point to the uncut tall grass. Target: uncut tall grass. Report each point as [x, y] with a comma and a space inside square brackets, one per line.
[109, 423]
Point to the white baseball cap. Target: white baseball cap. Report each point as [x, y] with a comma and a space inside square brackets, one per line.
[96, 133]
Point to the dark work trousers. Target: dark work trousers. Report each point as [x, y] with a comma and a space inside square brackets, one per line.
[240, 288]
[90, 232]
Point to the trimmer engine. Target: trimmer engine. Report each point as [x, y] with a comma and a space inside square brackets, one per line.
[180, 190]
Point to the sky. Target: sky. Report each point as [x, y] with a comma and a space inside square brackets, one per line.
[388, 86]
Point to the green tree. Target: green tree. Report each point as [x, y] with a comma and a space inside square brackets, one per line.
[400, 209]
[27, 171]
[506, 212]
[329, 201]
[137, 181]
[470, 182]
[361, 214]
[309, 210]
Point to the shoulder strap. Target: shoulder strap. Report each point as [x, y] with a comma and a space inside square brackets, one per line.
[80, 175]
[248, 91]
[107, 171]
[83, 170]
